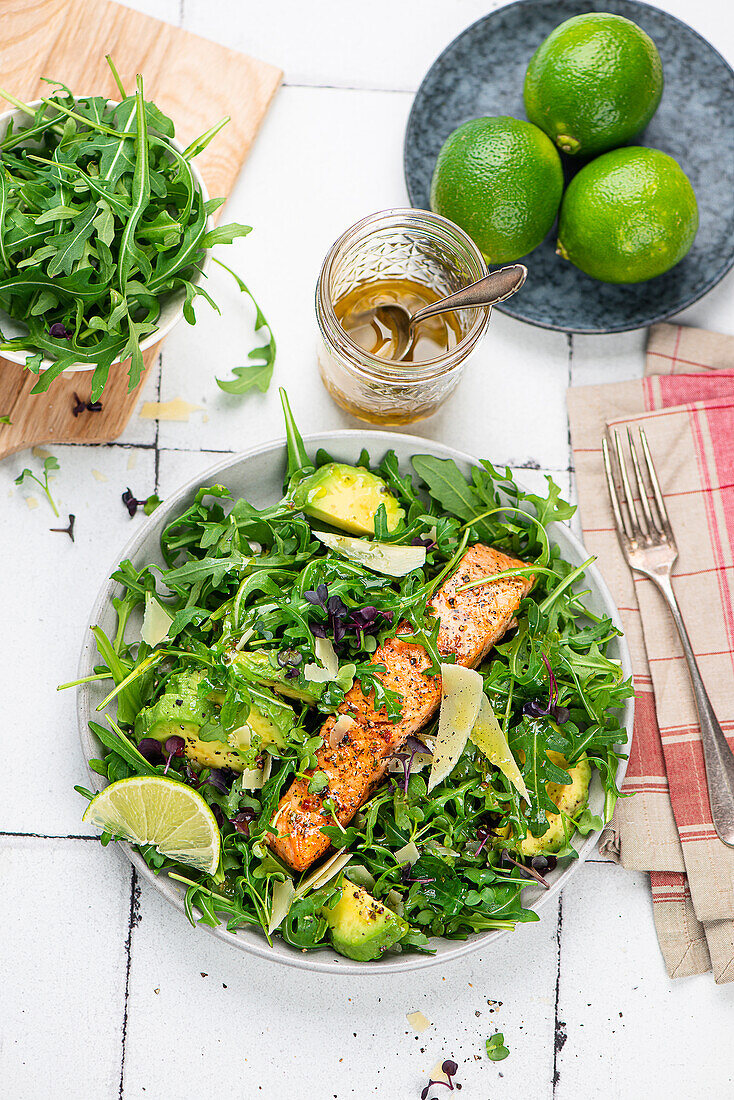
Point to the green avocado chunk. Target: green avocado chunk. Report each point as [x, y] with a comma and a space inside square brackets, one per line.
[263, 667]
[361, 927]
[347, 497]
[570, 798]
[181, 712]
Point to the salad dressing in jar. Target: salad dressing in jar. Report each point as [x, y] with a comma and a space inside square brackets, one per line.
[358, 314]
[413, 257]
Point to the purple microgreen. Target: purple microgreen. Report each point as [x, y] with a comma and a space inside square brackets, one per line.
[132, 504]
[289, 658]
[543, 864]
[66, 530]
[484, 833]
[317, 596]
[535, 709]
[221, 779]
[406, 877]
[59, 331]
[317, 630]
[418, 541]
[552, 685]
[411, 747]
[175, 746]
[81, 406]
[242, 821]
[529, 871]
[450, 1068]
[151, 750]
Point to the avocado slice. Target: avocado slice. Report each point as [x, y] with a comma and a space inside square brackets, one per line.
[569, 798]
[263, 667]
[181, 712]
[361, 927]
[347, 497]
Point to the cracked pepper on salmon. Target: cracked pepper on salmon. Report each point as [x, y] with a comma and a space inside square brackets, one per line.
[471, 623]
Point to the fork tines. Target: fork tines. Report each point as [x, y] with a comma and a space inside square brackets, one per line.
[634, 514]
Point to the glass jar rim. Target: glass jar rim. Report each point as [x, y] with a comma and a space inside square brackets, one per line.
[372, 366]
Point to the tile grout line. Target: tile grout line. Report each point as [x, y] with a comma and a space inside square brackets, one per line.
[46, 836]
[156, 441]
[133, 918]
[569, 338]
[529, 464]
[559, 1026]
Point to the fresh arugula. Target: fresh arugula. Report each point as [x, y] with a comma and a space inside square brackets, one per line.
[101, 223]
[260, 372]
[50, 464]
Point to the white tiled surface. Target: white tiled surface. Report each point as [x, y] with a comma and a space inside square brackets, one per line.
[105, 992]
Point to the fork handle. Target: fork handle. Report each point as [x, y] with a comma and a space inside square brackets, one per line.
[718, 757]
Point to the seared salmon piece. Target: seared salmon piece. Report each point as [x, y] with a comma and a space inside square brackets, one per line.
[471, 623]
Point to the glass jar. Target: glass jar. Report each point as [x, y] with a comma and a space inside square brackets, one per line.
[396, 244]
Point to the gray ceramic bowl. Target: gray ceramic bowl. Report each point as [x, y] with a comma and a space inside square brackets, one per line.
[258, 475]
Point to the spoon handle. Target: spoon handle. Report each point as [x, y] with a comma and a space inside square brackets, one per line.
[488, 291]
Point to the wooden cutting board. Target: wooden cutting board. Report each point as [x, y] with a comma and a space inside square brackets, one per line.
[194, 81]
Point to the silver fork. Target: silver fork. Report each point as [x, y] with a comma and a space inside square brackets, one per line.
[648, 544]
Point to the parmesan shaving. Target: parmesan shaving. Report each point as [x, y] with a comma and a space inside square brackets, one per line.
[178, 409]
[324, 874]
[326, 654]
[99, 476]
[32, 502]
[461, 695]
[418, 1021]
[395, 902]
[408, 852]
[340, 730]
[156, 621]
[388, 558]
[283, 894]
[487, 735]
[254, 779]
[437, 1074]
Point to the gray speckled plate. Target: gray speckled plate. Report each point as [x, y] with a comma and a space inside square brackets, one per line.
[482, 73]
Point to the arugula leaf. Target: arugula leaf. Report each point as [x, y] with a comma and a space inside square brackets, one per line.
[258, 374]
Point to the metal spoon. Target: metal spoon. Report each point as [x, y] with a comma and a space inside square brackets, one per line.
[490, 290]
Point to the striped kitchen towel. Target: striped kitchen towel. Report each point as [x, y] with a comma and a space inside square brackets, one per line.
[686, 405]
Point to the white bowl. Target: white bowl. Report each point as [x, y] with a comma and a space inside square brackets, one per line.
[171, 307]
[258, 475]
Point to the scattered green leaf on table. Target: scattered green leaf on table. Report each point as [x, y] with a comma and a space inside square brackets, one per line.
[496, 1049]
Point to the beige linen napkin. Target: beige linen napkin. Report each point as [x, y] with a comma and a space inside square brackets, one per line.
[686, 406]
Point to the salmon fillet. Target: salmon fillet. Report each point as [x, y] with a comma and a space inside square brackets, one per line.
[471, 623]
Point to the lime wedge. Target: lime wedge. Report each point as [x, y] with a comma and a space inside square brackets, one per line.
[159, 811]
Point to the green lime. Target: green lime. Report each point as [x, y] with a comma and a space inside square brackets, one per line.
[594, 83]
[628, 216]
[155, 810]
[501, 180]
